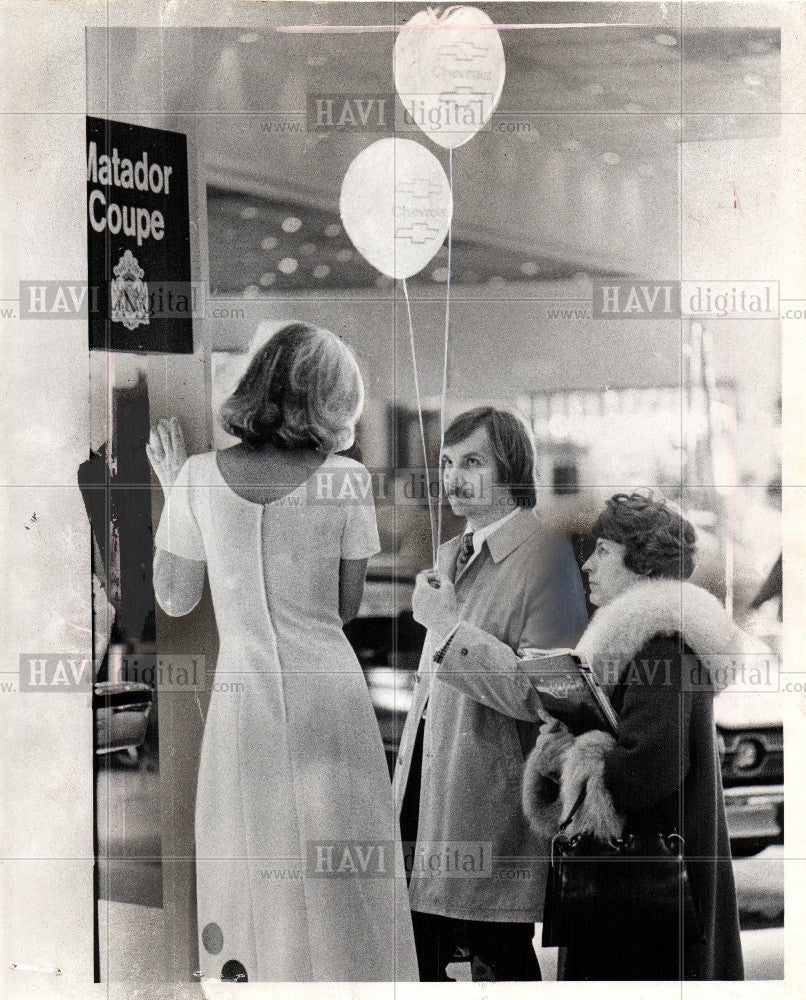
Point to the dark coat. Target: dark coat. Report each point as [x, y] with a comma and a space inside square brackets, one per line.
[662, 770]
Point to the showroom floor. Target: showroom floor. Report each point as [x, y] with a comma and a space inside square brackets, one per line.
[131, 918]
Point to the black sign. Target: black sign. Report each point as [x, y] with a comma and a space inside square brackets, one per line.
[138, 239]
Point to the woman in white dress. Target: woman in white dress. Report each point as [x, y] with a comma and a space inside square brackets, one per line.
[299, 866]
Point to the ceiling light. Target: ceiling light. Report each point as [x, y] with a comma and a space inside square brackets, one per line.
[664, 38]
[287, 265]
[270, 243]
[291, 224]
[344, 255]
[332, 229]
[753, 81]
[308, 249]
[321, 271]
[529, 268]
[251, 291]
[440, 274]
[496, 279]
[529, 135]
[249, 212]
[268, 279]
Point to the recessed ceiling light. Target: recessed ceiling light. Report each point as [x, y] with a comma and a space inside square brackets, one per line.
[529, 268]
[664, 38]
[291, 224]
[287, 265]
[308, 249]
[529, 135]
[321, 271]
[757, 45]
[249, 38]
[249, 212]
[251, 291]
[611, 158]
[332, 229]
[270, 243]
[344, 255]
[440, 274]
[268, 279]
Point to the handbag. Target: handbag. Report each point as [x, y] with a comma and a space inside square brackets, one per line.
[630, 888]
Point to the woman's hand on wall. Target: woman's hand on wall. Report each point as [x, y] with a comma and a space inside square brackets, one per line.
[166, 451]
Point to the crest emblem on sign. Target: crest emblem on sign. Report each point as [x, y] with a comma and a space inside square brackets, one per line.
[129, 293]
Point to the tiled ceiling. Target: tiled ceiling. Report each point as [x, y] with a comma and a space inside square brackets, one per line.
[261, 246]
[621, 98]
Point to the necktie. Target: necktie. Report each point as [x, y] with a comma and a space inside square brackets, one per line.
[465, 552]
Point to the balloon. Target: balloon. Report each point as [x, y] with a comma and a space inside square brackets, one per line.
[396, 206]
[449, 73]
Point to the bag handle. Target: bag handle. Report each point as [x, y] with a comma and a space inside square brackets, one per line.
[609, 713]
[574, 808]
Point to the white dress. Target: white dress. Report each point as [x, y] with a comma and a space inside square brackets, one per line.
[299, 866]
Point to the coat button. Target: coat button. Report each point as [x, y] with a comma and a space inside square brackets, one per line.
[464, 650]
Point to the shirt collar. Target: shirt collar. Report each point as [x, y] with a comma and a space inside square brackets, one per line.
[484, 533]
[525, 522]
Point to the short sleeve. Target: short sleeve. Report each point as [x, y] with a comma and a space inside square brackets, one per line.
[178, 530]
[359, 538]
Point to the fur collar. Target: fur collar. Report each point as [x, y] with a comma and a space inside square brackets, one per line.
[655, 607]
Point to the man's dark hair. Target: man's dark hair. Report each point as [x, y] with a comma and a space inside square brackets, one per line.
[511, 446]
[658, 541]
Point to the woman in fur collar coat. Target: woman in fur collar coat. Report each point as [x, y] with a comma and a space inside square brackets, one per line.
[649, 643]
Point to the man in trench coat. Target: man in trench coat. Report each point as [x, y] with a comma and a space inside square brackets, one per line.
[478, 871]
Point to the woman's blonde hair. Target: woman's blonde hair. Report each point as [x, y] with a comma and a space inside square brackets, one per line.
[302, 389]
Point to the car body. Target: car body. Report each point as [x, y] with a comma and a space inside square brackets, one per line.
[751, 743]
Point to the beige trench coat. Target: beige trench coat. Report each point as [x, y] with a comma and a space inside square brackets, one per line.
[476, 857]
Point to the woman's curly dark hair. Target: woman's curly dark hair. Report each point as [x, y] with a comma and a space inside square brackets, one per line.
[658, 541]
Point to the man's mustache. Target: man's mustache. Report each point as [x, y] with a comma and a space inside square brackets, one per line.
[461, 493]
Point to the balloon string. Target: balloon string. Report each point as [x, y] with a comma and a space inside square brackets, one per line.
[422, 427]
[445, 358]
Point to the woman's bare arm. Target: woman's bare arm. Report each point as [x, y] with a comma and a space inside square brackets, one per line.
[352, 573]
[178, 583]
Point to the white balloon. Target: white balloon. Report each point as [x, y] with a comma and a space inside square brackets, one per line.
[396, 206]
[449, 73]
